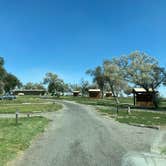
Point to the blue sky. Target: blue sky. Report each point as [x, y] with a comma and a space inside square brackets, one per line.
[69, 37]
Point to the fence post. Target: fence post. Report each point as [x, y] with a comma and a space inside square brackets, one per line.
[117, 108]
[128, 110]
[17, 117]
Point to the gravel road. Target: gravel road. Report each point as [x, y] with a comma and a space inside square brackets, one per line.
[80, 136]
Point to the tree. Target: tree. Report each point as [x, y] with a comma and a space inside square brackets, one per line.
[98, 77]
[29, 86]
[144, 71]
[74, 87]
[84, 87]
[1, 87]
[66, 87]
[55, 84]
[34, 86]
[114, 77]
[138, 69]
[2, 69]
[39, 86]
[128, 90]
[10, 82]
[2, 74]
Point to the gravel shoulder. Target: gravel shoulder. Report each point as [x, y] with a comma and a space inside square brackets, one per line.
[78, 135]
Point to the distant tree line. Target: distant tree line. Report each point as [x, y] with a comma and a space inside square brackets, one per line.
[51, 83]
[118, 75]
[33, 86]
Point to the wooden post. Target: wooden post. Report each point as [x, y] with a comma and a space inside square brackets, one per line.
[117, 108]
[134, 98]
[128, 110]
[28, 114]
[17, 117]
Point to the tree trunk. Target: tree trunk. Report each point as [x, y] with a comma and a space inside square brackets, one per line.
[102, 93]
[116, 99]
[155, 99]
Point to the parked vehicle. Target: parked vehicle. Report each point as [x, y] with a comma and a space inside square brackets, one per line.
[7, 97]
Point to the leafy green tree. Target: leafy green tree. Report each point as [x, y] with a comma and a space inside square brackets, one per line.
[59, 86]
[8, 81]
[29, 86]
[39, 86]
[2, 69]
[93, 86]
[98, 77]
[137, 69]
[51, 88]
[66, 87]
[1, 87]
[144, 71]
[128, 90]
[140, 69]
[74, 87]
[84, 87]
[33, 86]
[114, 77]
[11, 82]
[55, 84]
[2, 74]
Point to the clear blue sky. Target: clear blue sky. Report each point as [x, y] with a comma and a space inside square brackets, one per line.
[70, 36]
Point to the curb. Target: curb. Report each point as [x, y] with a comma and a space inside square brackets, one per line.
[145, 126]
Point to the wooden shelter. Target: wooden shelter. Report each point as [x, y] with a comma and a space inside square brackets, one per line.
[29, 92]
[76, 93]
[94, 93]
[143, 98]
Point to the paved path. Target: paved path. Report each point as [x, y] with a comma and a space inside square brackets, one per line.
[79, 136]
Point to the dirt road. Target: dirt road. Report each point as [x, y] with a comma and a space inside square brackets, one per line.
[79, 136]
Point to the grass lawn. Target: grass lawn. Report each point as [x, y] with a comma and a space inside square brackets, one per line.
[163, 151]
[15, 138]
[23, 99]
[138, 117]
[23, 108]
[111, 102]
[102, 102]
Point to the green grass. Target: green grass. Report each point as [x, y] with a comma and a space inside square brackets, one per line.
[163, 151]
[102, 102]
[15, 138]
[138, 117]
[23, 99]
[111, 102]
[24, 108]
